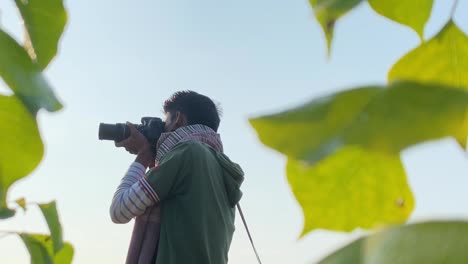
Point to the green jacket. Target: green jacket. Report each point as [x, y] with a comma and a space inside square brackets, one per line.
[198, 189]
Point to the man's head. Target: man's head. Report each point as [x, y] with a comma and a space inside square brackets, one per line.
[189, 108]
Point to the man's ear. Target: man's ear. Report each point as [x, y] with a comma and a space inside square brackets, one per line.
[181, 119]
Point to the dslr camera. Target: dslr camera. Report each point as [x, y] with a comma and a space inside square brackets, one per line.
[150, 127]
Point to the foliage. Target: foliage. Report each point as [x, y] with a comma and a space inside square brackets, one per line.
[328, 12]
[443, 60]
[429, 242]
[413, 14]
[20, 140]
[343, 150]
[41, 250]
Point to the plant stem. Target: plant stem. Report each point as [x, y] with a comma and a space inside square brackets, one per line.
[454, 8]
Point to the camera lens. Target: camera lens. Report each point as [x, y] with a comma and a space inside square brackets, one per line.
[116, 132]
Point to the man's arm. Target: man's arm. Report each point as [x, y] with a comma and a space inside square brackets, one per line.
[138, 191]
[133, 195]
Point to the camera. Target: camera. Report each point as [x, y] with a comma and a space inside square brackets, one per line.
[150, 127]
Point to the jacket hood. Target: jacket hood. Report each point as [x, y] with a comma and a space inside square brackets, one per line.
[233, 177]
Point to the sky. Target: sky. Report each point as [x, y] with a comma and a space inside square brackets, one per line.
[119, 60]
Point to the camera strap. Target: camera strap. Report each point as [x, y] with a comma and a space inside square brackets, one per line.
[248, 233]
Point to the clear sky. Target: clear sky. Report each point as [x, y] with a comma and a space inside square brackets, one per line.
[119, 60]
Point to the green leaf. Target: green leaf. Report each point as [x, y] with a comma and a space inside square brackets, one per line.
[37, 247]
[20, 142]
[41, 250]
[24, 76]
[375, 118]
[328, 12]
[312, 131]
[409, 113]
[364, 129]
[6, 212]
[350, 254]
[430, 242]
[49, 211]
[352, 188]
[21, 202]
[413, 13]
[65, 255]
[44, 23]
[443, 59]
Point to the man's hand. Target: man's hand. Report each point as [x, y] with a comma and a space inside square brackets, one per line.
[136, 143]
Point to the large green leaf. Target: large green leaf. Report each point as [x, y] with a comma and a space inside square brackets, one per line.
[327, 13]
[430, 242]
[312, 131]
[49, 211]
[21, 146]
[443, 59]
[412, 13]
[375, 118]
[343, 149]
[41, 250]
[44, 21]
[410, 113]
[352, 188]
[24, 76]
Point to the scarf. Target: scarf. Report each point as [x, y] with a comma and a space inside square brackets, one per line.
[145, 236]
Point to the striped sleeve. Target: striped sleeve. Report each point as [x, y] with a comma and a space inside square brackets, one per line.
[133, 195]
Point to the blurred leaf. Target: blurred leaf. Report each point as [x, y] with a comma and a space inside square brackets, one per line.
[65, 255]
[349, 254]
[21, 202]
[50, 213]
[413, 13]
[328, 12]
[6, 212]
[37, 247]
[308, 131]
[375, 118]
[430, 242]
[352, 188]
[20, 144]
[443, 59]
[24, 77]
[410, 113]
[343, 149]
[41, 250]
[44, 21]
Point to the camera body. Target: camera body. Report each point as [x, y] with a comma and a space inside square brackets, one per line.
[150, 127]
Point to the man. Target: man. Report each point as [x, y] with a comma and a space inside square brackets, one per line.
[193, 184]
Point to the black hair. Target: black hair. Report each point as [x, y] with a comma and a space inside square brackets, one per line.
[198, 108]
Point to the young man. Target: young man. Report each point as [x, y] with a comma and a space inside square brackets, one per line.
[184, 205]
